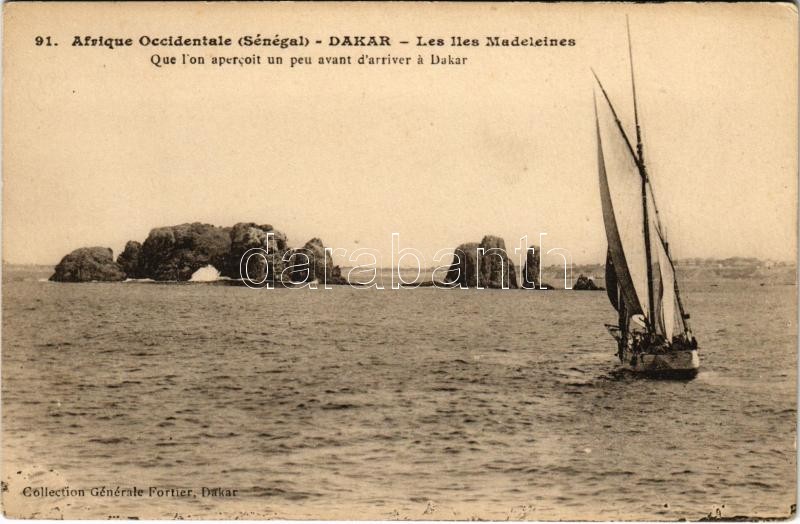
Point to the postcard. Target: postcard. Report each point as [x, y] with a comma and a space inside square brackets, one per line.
[399, 261]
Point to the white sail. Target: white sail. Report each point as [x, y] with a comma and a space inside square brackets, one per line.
[669, 321]
[621, 197]
[666, 319]
[623, 215]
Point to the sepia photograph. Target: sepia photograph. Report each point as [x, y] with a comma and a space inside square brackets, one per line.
[399, 261]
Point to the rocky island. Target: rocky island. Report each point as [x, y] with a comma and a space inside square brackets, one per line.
[484, 265]
[88, 263]
[175, 253]
[585, 283]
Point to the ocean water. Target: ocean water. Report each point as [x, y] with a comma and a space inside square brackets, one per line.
[360, 403]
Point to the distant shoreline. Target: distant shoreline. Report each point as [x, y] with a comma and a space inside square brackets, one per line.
[715, 263]
[767, 272]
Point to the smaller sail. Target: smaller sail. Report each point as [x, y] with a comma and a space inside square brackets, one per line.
[670, 320]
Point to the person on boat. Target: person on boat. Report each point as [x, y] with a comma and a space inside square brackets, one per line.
[636, 343]
[683, 341]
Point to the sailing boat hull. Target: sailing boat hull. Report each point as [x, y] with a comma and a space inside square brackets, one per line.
[672, 364]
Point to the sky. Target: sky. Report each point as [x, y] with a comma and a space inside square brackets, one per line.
[100, 146]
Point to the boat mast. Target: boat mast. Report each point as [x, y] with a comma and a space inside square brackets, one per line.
[639, 147]
[640, 164]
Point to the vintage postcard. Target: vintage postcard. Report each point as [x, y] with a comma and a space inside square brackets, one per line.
[399, 261]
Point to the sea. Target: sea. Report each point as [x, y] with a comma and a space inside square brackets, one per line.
[421, 404]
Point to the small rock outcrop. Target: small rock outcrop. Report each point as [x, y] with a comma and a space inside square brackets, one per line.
[176, 252]
[585, 283]
[128, 260]
[336, 277]
[530, 273]
[532, 269]
[311, 263]
[88, 264]
[248, 235]
[491, 269]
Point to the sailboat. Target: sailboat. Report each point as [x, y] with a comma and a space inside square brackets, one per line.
[653, 333]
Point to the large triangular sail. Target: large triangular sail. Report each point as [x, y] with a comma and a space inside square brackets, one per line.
[643, 271]
[622, 209]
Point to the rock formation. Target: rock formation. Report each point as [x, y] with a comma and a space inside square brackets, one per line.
[128, 260]
[463, 270]
[248, 235]
[336, 274]
[312, 262]
[530, 273]
[175, 252]
[585, 283]
[495, 267]
[87, 264]
[491, 269]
